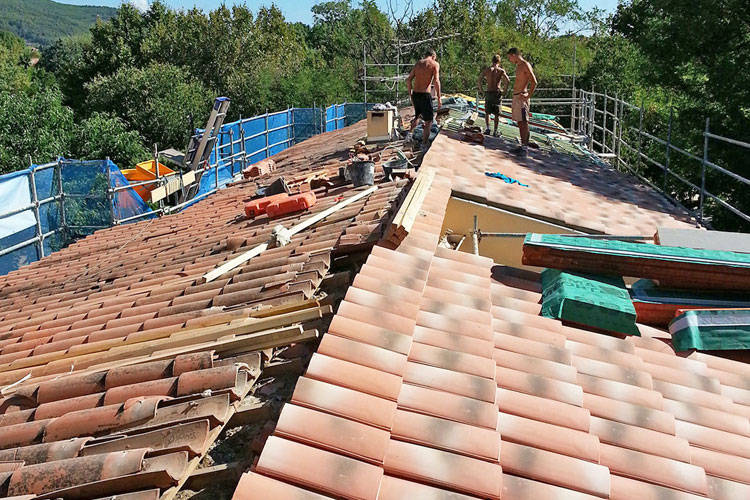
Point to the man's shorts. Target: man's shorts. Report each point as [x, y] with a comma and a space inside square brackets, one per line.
[422, 102]
[492, 103]
[520, 108]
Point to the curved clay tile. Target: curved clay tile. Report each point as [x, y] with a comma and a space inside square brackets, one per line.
[60, 408]
[333, 433]
[16, 417]
[46, 452]
[161, 387]
[51, 476]
[98, 420]
[322, 470]
[233, 377]
[344, 402]
[25, 434]
[254, 485]
[166, 470]
[444, 469]
[70, 386]
[190, 437]
[134, 374]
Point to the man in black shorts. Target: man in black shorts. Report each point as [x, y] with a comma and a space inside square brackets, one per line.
[497, 84]
[423, 76]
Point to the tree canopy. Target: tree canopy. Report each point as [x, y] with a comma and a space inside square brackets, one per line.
[140, 78]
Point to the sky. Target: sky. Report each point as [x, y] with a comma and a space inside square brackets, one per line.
[294, 10]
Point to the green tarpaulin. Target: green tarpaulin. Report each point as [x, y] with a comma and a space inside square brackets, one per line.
[601, 302]
[711, 330]
[640, 250]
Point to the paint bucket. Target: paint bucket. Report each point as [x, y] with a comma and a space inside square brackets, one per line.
[362, 173]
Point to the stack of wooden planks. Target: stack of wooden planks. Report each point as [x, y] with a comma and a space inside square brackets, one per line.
[410, 208]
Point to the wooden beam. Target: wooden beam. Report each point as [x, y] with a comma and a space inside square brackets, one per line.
[233, 336]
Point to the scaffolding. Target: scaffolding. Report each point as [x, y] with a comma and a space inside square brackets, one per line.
[46, 207]
[612, 131]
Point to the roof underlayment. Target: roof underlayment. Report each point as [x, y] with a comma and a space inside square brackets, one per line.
[437, 377]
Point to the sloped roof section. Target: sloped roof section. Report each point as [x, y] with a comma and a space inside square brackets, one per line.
[563, 188]
[120, 365]
[439, 379]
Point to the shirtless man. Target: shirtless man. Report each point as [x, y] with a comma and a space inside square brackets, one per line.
[423, 76]
[497, 84]
[523, 89]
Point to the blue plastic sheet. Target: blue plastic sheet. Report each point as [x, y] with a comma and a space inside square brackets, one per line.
[85, 206]
[84, 182]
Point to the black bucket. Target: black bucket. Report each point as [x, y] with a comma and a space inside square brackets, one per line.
[362, 173]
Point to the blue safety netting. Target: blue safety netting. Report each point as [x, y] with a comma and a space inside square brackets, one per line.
[335, 117]
[85, 201]
[84, 205]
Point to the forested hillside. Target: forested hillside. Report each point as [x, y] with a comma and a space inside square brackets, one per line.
[139, 78]
[41, 22]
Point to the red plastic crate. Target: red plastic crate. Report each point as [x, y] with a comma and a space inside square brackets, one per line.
[258, 206]
[295, 203]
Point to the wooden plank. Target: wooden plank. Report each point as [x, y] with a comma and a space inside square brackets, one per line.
[162, 340]
[405, 217]
[158, 194]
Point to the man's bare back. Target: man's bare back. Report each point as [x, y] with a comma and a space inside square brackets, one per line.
[495, 76]
[425, 72]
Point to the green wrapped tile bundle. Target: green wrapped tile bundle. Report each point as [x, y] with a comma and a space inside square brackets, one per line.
[601, 302]
[711, 330]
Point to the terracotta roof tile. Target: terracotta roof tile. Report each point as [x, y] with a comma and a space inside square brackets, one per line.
[539, 385]
[651, 468]
[462, 384]
[363, 354]
[553, 468]
[640, 439]
[321, 470]
[545, 410]
[445, 405]
[254, 485]
[444, 469]
[629, 413]
[333, 433]
[393, 488]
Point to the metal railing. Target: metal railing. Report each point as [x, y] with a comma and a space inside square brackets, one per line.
[614, 129]
[233, 152]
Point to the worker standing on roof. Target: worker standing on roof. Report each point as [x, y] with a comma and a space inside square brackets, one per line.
[523, 89]
[419, 83]
[497, 84]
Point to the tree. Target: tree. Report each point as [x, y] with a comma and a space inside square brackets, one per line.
[704, 64]
[103, 135]
[538, 18]
[158, 101]
[36, 126]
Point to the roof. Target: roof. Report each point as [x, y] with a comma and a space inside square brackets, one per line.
[564, 189]
[436, 378]
[120, 365]
[439, 379]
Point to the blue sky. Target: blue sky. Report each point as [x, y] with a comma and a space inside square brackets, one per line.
[294, 10]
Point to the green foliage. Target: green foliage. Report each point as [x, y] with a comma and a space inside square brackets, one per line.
[158, 100]
[103, 135]
[36, 126]
[40, 22]
[696, 57]
[67, 59]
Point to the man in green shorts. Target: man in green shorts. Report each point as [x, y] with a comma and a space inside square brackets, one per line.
[497, 84]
